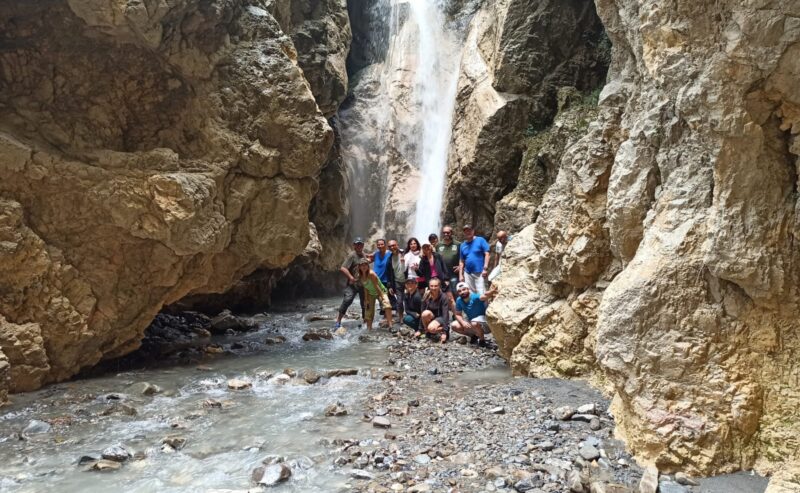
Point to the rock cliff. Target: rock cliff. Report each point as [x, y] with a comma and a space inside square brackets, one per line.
[517, 54]
[149, 150]
[662, 263]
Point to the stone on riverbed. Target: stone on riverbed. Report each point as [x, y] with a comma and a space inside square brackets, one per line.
[381, 422]
[175, 441]
[336, 409]
[238, 384]
[103, 465]
[649, 481]
[144, 388]
[682, 478]
[271, 475]
[117, 453]
[342, 372]
[589, 452]
[563, 413]
[274, 340]
[311, 376]
[36, 427]
[317, 335]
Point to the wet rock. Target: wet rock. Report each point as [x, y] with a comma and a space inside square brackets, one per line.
[526, 484]
[281, 379]
[317, 335]
[144, 388]
[290, 372]
[103, 465]
[226, 321]
[585, 418]
[336, 409]
[381, 422]
[589, 452]
[272, 340]
[211, 403]
[682, 478]
[238, 384]
[649, 481]
[36, 427]
[117, 453]
[119, 408]
[340, 332]
[88, 459]
[271, 475]
[311, 376]
[342, 372]
[177, 442]
[563, 413]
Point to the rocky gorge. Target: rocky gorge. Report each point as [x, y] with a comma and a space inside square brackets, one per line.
[173, 155]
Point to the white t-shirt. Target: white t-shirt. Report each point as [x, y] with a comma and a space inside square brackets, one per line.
[412, 262]
[498, 248]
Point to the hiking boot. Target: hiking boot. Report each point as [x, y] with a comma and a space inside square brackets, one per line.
[473, 339]
[338, 325]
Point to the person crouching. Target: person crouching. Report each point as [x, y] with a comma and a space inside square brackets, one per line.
[470, 319]
[435, 316]
[412, 302]
[373, 290]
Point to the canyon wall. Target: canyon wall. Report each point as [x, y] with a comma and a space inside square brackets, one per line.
[517, 54]
[149, 151]
[662, 262]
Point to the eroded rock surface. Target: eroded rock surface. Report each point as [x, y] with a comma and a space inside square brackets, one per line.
[146, 152]
[516, 56]
[662, 263]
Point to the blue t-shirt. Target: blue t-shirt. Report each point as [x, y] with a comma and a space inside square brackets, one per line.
[473, 309]
[381, 266]
[472, 253]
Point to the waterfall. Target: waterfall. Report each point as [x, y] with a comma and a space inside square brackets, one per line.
[439, 57]
[396, 128]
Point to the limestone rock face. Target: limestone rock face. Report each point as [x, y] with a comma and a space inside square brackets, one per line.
[321, 34]
[662, 262]
[517, 54]
[146, 152]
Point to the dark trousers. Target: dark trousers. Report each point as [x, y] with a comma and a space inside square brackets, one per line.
[398, 299]
[350, 293]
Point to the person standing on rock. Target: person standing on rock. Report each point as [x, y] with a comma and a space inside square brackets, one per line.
[435, 317]
[397, 289]
[412, 258]
[473, 260]
[431, 266]
[350, 270]
[499, 247]
[374, 290]
[412, 300]
[470, 317]
[448, 250]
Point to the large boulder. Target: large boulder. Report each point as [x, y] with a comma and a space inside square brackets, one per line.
[662, 262]
[145, 154]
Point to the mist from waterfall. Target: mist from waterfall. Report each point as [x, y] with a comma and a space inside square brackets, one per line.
[396, 128]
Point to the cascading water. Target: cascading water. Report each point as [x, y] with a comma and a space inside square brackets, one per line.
[436, 82]
[396, 129]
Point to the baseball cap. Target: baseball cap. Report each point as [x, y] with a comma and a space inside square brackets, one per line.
[411, 279]
[357, 240]
[461, 285]
[468, 226]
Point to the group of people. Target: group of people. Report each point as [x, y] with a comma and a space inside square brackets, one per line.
[433, 288]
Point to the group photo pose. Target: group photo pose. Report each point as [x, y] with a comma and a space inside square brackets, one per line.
[430, 289]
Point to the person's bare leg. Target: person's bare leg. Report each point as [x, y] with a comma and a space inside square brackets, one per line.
[388, 313]
[425, 319]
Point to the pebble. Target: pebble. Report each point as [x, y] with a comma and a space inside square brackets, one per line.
[587, 409]
[342, 372]
[361, 474]
[103, 465]
[497, 410]
[422, 459]
[563, 413]
[145, 388]
[177, 442]
[381, 422]
[311, 376]
[594, 424]
[589, 452]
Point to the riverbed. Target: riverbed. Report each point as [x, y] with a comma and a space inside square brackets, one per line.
[457, 420]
